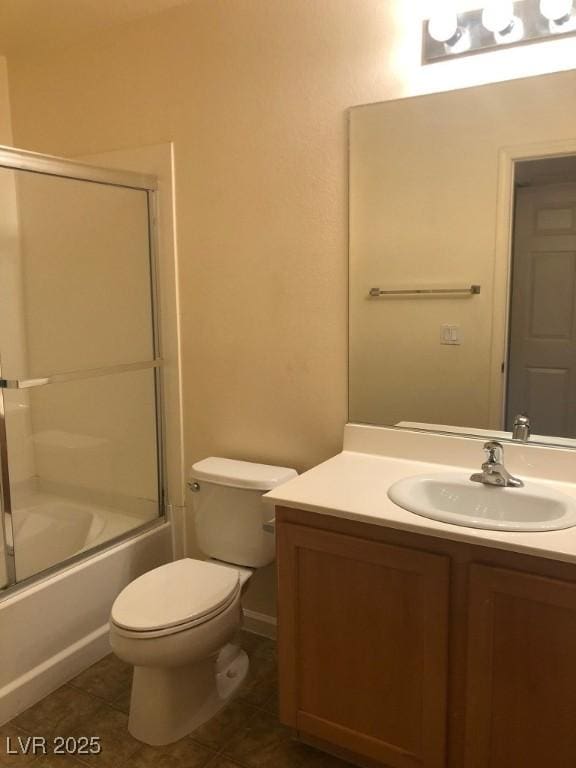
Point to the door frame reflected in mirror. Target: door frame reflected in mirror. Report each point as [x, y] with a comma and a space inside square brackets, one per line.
[508, 159]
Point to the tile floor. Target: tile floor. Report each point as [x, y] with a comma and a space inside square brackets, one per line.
[246, 734]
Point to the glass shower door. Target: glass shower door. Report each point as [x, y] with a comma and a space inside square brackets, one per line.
[80, 381]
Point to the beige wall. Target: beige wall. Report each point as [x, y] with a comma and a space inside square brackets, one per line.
[253, 93]
[263, 266]
[423, 213]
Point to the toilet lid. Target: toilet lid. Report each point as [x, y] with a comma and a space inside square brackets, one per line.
[173, 594]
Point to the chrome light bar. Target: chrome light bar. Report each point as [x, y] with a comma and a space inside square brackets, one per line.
[500, 24]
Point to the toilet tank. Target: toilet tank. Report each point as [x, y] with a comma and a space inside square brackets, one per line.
[229, 512]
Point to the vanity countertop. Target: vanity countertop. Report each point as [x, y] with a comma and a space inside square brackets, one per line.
[354, 485]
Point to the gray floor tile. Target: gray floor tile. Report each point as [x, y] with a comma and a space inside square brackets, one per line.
[9, 743]
[227, 723]
[183, 754]
[265, 743]
[261, 684]
[222, 762]
[111, 726]
[59, 713]
[55, 761]
[262, 743]
[246, 734]
[108, 679]
[256, 644]
[122, 702]
[13, 740]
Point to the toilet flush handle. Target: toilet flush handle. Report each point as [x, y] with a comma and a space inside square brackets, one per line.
[270, 526]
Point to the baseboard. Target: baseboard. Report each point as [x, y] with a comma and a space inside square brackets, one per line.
[260, 623]
[33, 686]
[37, 683]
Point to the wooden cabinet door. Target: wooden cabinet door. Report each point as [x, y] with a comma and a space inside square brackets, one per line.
[521, 694]
[363, 645]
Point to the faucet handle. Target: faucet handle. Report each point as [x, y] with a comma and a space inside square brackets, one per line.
[494, 452]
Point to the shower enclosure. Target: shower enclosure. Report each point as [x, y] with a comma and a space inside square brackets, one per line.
[81, 459]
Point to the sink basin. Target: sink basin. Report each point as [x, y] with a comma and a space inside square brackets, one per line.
[454, 498]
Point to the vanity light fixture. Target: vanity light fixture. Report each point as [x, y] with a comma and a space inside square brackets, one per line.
[499, 24]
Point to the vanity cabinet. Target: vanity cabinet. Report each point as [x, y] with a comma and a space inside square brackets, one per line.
[402, 650]
[521, 669]
[363, 645]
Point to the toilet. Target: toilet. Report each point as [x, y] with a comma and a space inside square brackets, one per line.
[176, 624]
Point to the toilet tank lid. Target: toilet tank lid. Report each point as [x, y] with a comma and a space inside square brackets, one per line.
[241, 474]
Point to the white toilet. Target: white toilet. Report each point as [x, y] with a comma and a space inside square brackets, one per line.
[175, 623]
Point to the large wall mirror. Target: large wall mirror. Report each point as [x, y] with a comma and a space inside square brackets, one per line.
[463, 260]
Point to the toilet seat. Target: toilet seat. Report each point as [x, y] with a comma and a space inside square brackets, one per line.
[175, 597]
[169, 631]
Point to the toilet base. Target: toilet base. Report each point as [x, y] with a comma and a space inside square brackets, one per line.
[169, 703]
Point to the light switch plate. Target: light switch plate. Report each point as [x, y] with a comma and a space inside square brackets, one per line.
[450, 334]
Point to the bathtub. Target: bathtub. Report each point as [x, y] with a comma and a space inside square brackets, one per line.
[50, 533]
[53, 628]
[50, 529]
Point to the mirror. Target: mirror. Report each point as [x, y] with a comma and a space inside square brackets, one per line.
[463, 260]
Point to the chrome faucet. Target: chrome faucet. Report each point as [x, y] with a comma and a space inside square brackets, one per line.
[521, 428]
[493, 470]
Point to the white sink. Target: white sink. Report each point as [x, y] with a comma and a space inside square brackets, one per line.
[454, 498]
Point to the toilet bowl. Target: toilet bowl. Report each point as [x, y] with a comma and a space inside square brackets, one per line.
[176, 624]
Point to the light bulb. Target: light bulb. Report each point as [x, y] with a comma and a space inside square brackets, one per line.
[498, 16]
[443, 27]
[558, 11]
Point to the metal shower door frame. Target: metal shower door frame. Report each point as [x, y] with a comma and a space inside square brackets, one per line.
[23, 160]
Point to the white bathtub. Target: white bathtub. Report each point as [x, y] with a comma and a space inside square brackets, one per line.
[49, 529]
[57, 626]
[48, 534]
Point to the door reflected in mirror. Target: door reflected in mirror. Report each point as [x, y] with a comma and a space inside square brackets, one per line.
[541, 364]
[463, 261]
